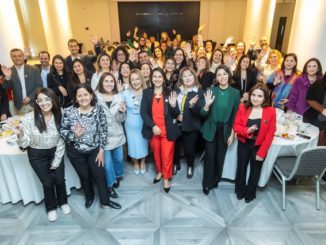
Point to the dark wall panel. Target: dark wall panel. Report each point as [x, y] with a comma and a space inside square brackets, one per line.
[156, 17]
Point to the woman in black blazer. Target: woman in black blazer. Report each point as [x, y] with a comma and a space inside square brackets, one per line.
[244, 77]
[159, 110]
[190, 100]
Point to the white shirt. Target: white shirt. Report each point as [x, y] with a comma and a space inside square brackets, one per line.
[21, 75]
[44, 73]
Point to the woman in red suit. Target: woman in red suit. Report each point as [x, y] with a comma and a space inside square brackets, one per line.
[255, 125]
[159, 110]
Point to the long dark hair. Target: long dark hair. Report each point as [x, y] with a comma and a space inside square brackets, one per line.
[319, 73]
[74, 77]
[184, 62]
[38, 114]
[237, 71]
[86, 86]
[165, 91]
[120, 68]
[115, 53]
[59, 57]
[294, 69]
[263, 87]
[227, 70]
[214, 51]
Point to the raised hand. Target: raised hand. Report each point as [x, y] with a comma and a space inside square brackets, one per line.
[128, 33]
[6, 71]
[27, 52]
[209, 98]
[26, 101]
[193, 101]
[78, 130]
[173, 99]
[252, 42]
[201, 28]
[14, 127]
[94, 39]
[136, 29]
[174, 31]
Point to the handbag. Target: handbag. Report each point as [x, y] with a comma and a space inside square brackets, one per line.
[321, 117]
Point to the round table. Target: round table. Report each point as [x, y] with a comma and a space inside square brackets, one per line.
[279, 147]
[18, 181]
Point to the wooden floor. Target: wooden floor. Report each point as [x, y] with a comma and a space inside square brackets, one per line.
[183, 216]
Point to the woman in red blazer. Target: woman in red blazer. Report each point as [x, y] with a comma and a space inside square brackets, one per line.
[255, 125]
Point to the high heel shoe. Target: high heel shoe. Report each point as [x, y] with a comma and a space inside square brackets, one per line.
[166, 189]
[190, 172]
[156, 180]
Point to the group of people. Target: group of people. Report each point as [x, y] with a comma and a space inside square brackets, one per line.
[162, 96]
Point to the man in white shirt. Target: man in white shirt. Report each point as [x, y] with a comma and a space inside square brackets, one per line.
[24, 80]
[44, 57]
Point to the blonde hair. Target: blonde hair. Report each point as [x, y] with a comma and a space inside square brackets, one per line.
[140, 76]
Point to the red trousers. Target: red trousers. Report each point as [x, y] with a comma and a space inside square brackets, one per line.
[163, 150]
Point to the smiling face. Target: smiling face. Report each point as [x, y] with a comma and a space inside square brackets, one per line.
[73, 48]
[125, 70]
[217, 57]
[312, 68]
[289, 63]
[201, 52]
[44, 102]
[44, 59]
[17, 57]
[157, 79]
[158, 53]
[209, 47]
[273, 59]
[145, 70]
[169, 65]
[121, 57]
[108, 84]
[245, 63]
[257, 97]
[188, 79]
[178, 56]
[240, 48]
[58, 65]
[201, 64]
[83, 98]
[222, 77]
[105, 62]
[78, 68]
[135, 81]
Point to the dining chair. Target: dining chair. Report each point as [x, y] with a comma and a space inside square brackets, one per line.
[310, 163]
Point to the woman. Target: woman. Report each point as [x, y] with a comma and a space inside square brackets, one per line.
[209, 48]
[244, 78]
[171, 73]
[109, 99]
[231, 59]
[84, 129]
[180, 59]
[103, 64]
[146, 71]
[316, 113]
[241, 49]
[281, 81]
[158, 110]
[124, 73]
[312, 71]
[137, 144]
[39, 133]
[119, 55]
[216, 60]
[58, 81]
[274, 62]
[205, 77]
[79, 75]
[255, 125]
[221, 105]
[190, 99]
[159, 58]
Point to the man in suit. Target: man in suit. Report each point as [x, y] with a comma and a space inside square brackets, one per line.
[24, 81]
[88, 60]
[45, 67]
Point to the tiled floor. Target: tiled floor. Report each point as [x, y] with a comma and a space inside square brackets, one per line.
[183, 216]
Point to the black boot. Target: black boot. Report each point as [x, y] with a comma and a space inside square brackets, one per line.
[112, 192]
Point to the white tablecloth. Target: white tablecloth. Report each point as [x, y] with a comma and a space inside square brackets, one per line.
[18, 180]
[279, 147]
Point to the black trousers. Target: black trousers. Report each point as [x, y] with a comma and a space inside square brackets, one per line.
[215, 152]
[88, 170]
[188, 141]
[53, 181]
[247, 153]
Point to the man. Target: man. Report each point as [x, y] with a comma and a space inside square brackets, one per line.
[264, 49]
[143, 58]
[88, 60]
[44, 57]
[24, 81]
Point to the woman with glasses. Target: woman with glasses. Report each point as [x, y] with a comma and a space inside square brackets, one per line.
[39, 133]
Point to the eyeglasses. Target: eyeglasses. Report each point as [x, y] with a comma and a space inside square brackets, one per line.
[46, 100]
